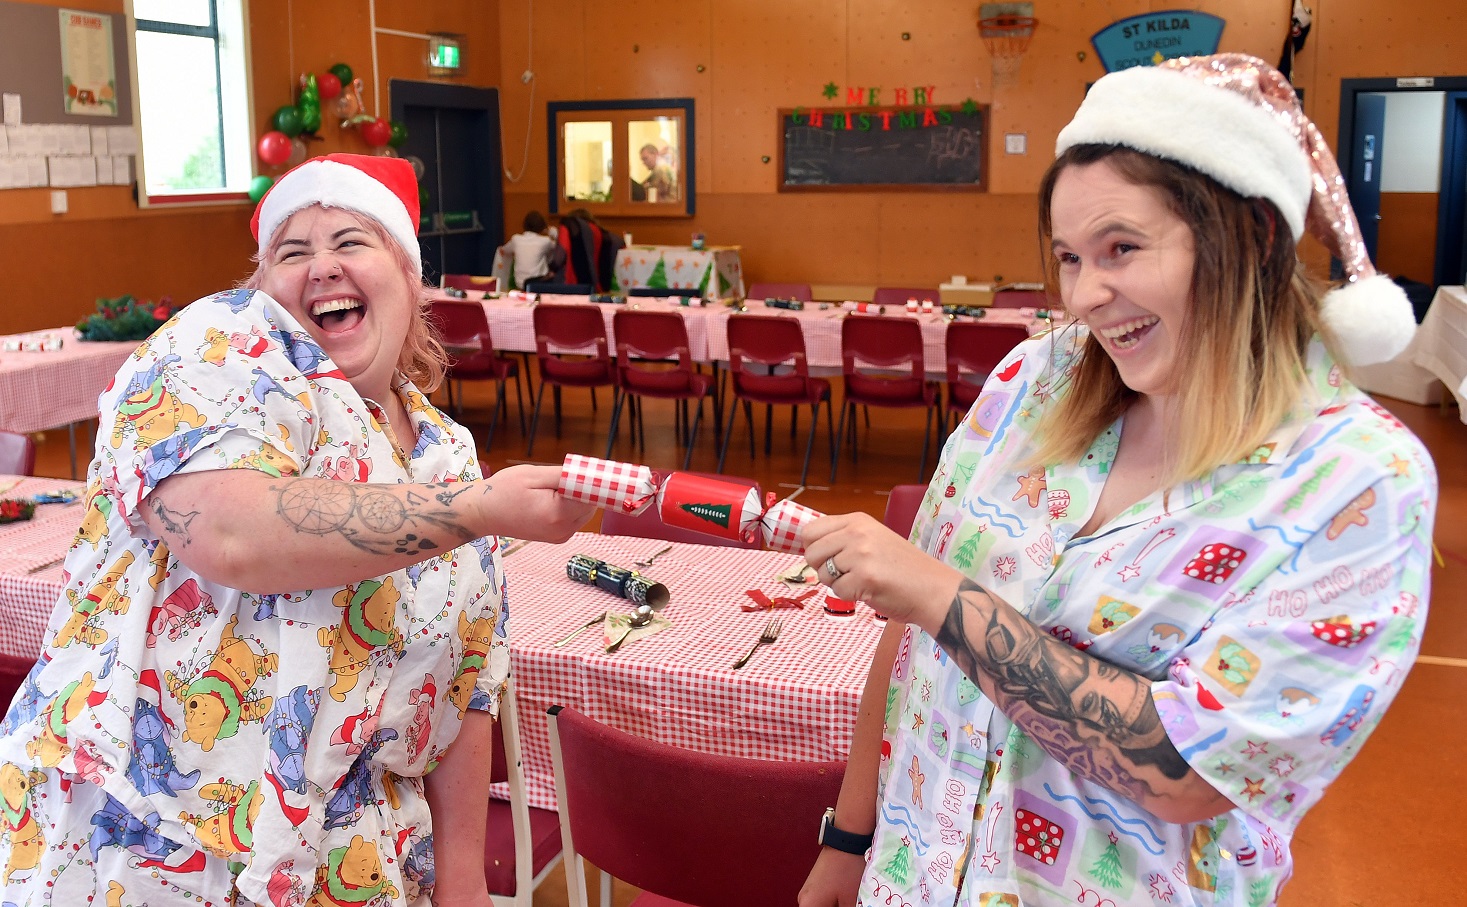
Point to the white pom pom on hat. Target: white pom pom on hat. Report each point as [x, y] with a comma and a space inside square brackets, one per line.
[1237, 119]
[382, 188]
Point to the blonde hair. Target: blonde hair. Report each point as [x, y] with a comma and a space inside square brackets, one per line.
[1252, 315]
[422, 360]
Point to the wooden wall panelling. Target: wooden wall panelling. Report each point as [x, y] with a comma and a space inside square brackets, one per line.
[1407, 246]
[767, 54]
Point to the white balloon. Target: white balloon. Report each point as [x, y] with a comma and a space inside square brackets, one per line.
[297, 152]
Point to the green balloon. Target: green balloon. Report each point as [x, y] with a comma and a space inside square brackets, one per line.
[259, 186]
[310, 117]
[288, 120]
[399, 134]
[342, 72]
[423, 196]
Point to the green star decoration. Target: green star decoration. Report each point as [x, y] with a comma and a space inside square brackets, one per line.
[970, 106]
[830, 90]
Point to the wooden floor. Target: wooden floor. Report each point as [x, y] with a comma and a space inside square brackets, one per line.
[1391, 829]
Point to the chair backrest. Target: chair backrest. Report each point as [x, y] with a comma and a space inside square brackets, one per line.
[559, 289]
[1020, 299]
[901, 508]
[884, 341]
[800, 291]
[17, 454]
[470, 282]
[648, 524]
[716, 831]
[570, 327]
[461, 324]
[977, 348]
[898, 296]
[511, 854]
[766, 340]
[650, 335]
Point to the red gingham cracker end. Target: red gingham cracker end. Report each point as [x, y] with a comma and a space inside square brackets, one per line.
[782, 526]
[603, 483]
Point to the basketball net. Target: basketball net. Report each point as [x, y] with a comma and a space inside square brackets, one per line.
[1007, 37]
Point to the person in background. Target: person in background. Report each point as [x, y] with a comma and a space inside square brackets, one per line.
[530, 250]
[1173, 567]
[284, 635]
[661, 182]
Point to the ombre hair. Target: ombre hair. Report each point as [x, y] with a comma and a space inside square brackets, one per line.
[422, 359]
[1253, 312]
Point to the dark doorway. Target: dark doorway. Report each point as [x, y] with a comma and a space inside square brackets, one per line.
[1356, 122]
[454, 131]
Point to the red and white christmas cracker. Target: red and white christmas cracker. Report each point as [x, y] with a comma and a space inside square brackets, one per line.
[714, 507]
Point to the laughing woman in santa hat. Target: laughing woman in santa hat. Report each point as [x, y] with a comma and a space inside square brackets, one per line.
[1157, 554]
[283, 638]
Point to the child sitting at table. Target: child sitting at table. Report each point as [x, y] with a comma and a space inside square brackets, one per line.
[530, 250]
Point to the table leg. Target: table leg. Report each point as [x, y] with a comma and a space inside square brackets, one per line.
[71, 433]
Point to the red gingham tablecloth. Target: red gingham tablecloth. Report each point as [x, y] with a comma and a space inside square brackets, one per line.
[795, 700]
[41, 390]
[26, 598]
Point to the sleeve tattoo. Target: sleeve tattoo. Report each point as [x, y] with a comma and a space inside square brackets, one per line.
[374, 518]
[1096, 718]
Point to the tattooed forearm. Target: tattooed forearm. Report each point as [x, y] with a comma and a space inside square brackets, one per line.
[373, 518]
[172, 522]
[1097, 719]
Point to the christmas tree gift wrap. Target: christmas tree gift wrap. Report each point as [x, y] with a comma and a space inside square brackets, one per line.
[711, 506]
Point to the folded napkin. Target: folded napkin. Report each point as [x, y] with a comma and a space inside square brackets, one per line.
[617, 623]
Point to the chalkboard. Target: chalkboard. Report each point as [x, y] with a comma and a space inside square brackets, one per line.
[864, 148]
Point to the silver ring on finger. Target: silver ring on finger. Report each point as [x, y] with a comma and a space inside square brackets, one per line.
[831, 570]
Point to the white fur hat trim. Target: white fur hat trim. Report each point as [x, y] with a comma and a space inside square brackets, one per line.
[1215, 131]
[335, 185]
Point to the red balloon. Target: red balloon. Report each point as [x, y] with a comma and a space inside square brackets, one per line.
[328, 85]
[274, 148]
[377, 133]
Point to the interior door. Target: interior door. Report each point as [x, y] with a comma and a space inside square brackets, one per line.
[1367, 153]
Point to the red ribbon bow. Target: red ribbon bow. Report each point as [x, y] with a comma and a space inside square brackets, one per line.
[765, 603]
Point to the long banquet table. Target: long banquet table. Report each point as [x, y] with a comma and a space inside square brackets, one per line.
[512, 327]
[795, 700]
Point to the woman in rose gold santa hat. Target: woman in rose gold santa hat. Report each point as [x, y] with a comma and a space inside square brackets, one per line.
[1156, 553]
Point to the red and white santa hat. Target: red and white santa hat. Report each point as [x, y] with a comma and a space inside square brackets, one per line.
[382, 188]
[1237, 119]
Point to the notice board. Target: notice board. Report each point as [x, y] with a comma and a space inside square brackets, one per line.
[30, 64]
[874, 148]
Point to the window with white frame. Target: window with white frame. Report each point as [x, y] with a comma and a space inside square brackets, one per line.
[191, 75]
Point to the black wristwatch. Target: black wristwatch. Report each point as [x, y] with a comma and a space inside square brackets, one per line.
[844, 841]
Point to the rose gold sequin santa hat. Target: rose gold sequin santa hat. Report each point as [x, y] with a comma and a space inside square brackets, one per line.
[382, 188]
[1236, 119]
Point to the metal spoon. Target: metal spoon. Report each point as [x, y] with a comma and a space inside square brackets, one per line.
[641, 617]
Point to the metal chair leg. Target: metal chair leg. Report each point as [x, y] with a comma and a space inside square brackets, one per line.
[692, 439]
[749, 418]
[615, 423]
[733, 411]
[519, 401]
[838, 441]
[535, 421]
[810, 444]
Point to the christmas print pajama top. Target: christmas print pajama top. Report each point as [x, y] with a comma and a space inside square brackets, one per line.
[185, 742]
[1275, 605]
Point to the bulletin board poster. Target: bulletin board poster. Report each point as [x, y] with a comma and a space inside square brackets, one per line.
[88, 71]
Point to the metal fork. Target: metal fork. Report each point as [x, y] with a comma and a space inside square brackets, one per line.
[770, 634]
[653, 556]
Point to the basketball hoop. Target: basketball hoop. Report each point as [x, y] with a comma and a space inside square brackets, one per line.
[1007, 38]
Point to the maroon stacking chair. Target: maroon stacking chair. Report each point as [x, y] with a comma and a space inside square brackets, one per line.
[17, 454]
[768, 342]
[470, 283]
[521, 842]
[800, 291]
[653, 360]
[901, 508]
[578, 328]
[887, 343]
[683, 826]
[1020, 299]
[463, 328]
[898, 296]
[973, 350]
[648, 524]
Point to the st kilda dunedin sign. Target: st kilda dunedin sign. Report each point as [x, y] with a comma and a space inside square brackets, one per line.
[1150, 38]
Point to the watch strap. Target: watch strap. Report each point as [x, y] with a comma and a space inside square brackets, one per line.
[847, 842]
